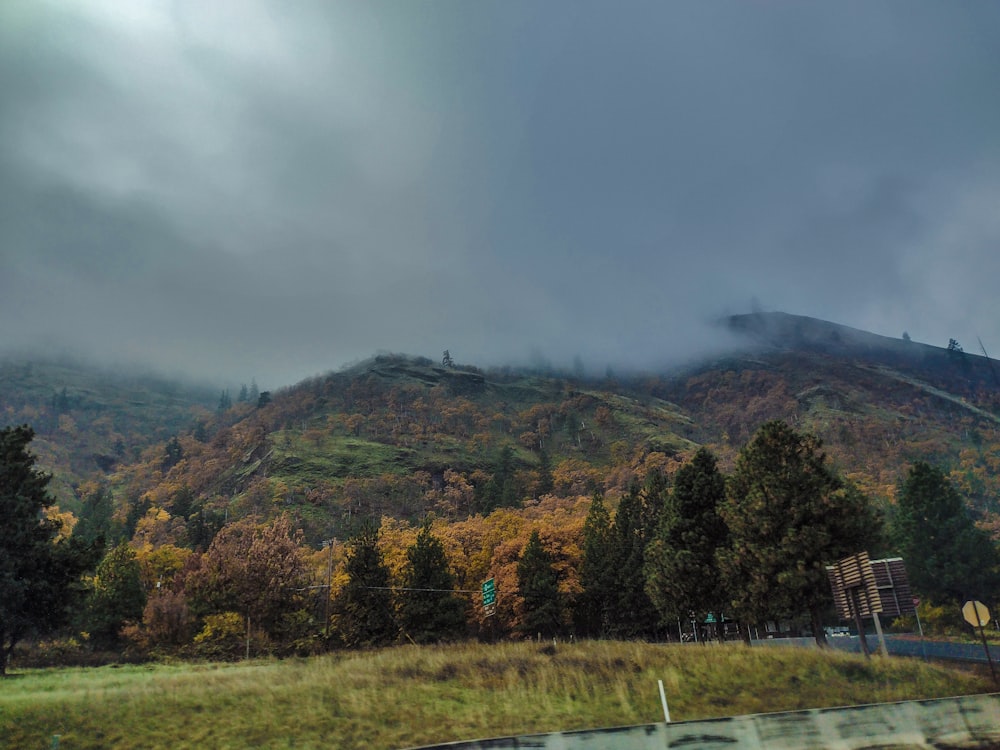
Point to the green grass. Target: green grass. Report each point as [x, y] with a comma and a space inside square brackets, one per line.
[409, 696]
[336, 457]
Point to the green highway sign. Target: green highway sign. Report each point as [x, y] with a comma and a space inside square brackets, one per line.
[489, 592]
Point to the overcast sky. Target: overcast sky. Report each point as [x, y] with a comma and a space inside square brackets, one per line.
[272, 189]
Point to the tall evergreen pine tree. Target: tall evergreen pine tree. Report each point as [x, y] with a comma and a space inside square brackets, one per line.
[96, 517]
[428, 611]
[948, 558]
[638, 514]
[789, 517]
[595, 606]
[365, 603]
[681, 571]
[538, 585]
[39, 577]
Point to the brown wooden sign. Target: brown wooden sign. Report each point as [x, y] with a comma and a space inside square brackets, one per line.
[893, 587]
[854, 590]
[864, 587]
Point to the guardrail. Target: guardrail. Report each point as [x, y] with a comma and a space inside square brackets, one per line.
[961, 722]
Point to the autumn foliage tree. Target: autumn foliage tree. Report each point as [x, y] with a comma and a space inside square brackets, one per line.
[116, 595]
[256, 570]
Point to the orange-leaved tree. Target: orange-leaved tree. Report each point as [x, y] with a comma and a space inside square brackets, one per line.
[256, 570]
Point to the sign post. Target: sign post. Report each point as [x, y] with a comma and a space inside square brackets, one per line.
[882, 648]
[978, 616]
[920, 628]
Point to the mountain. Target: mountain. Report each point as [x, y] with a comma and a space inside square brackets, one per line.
[878, 403]
[783, 332]
[401, 436]
[88, 420]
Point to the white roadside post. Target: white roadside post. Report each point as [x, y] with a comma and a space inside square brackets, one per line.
[663, 700]
[920, 628]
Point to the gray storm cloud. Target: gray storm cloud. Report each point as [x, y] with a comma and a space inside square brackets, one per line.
[272, 190]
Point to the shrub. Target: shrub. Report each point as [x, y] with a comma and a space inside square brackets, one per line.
[945, 619]
[223, 636]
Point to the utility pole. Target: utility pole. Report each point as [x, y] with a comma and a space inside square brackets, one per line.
[329, 584]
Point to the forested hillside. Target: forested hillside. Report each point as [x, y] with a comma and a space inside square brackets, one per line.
[484, 459]
[88, 420]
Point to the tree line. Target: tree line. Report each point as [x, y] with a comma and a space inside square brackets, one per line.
[751, 546]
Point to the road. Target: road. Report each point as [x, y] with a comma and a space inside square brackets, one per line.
[898, 646]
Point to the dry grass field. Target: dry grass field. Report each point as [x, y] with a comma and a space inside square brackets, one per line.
[407, 696]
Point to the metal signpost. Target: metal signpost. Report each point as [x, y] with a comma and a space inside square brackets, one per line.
[920, 628]
[978, 616]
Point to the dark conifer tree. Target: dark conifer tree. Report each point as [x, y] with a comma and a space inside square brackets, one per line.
[681, 569]
[948, 558]
[538, 585]
[39, 577]
[506, 479]
[137, 507]
[182, 503]
[173, 452]
[595, 606]
[365, 603]
[202, 527]
[428, 610]
[789, 517]
[96, 518]
[545, 482]
[636, 519]
[500, 490]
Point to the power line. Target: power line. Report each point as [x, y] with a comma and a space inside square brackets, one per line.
[406, 588]
[397, 588]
